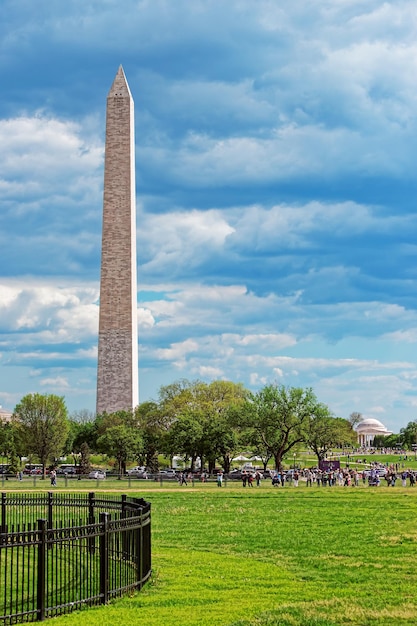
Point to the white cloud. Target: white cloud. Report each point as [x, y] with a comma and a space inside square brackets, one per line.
[55, 383]
[408, 336]
[181, 239]
[145, 318]
[51, 313]
[48, 154]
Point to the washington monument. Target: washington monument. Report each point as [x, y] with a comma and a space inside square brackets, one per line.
[117, 371]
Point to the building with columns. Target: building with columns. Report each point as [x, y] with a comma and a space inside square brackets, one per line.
[5, 416]
[368, 429]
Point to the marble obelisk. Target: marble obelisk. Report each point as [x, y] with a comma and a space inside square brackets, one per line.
[117, 371]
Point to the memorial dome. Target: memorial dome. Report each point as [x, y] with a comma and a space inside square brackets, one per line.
[368, 428]
[370, 422]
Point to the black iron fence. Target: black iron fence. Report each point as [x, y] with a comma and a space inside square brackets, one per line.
[60, 552]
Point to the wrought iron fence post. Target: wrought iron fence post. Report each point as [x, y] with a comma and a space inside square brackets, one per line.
[123, 530]
[91, 520]
[3, 513]
[91, 502]
[50, 508]
[139, 539]
[41, 586]
[104, 558]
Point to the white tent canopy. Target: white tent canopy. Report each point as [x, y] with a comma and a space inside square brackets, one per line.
[240, 457]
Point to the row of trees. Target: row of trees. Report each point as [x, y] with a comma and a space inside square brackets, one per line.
[406, 438]
[192, 419]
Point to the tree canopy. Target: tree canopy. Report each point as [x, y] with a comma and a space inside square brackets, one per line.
[42, 426]
[210, 421]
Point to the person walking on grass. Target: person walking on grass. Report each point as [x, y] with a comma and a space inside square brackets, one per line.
[296, 478]
[219, 479]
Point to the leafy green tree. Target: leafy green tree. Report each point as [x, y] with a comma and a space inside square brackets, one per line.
[277, 418]
[9, 446]
[409, 434]
[186, 437]
[85, 463]
[153, 428]
[122, 442]
[83, 433]
[42, 426]
[219, 402]
[326, 431]
[198, 421]
[388, 441]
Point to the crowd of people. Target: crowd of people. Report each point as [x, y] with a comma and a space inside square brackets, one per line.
[347, 477]
[372, 475]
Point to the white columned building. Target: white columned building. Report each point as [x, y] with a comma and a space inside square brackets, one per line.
[368, 429]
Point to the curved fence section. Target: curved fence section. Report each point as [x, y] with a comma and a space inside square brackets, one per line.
[60, 552]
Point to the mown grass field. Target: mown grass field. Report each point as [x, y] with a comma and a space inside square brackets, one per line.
[272, 556]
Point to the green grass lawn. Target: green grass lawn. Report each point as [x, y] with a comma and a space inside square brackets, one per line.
[271, 556]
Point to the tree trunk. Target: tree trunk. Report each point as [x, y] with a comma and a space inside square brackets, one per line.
[226, 463]
[278, 461]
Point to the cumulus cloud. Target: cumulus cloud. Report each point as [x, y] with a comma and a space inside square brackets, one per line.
[46, 313]
[49, 155]
[181, 238]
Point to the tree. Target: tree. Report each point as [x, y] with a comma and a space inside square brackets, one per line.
[409, 434]
[153, 428]
[326, 431]
[122, 442]
[197, 417]
[42, 425]
[355, 418]
[83, 433]
[9, 446]
[85, 464]
[186, 437]
[277, 418]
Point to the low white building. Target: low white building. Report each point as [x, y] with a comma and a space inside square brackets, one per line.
[368, 429]
[5, 416]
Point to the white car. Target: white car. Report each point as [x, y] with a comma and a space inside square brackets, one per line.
[137, 472]
[381, 471]
[97, 474]
[170, 473]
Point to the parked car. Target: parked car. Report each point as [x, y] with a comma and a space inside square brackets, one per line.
[97, 474]
[66, 470]
[169, 473]
[33, 469]
[381, 471]
[235, 474]
[137, 472]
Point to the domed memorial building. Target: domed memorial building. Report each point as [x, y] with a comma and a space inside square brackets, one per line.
[368, 429]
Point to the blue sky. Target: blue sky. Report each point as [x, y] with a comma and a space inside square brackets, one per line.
[276, 195]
